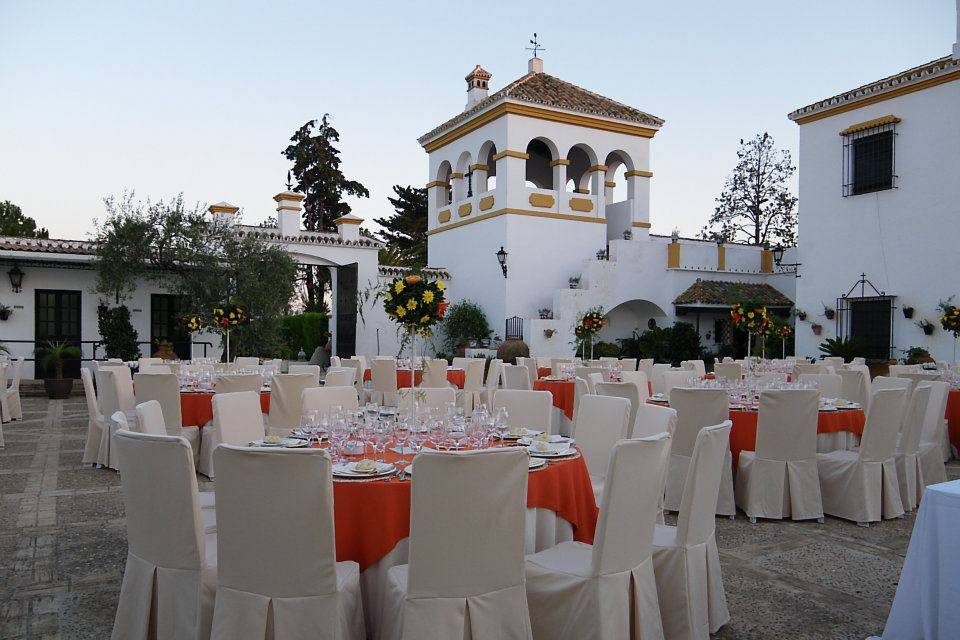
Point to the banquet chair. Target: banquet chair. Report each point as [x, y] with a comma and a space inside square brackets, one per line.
[897, 369]
[155, 368]
[293, 595]
[286, 392]
[165, 389]
[460, 362]
[532, 370]
[779, 479]
[859, 360]
[493, 381]
[327, 398]
[628, 364]
[833, 361]
[886, 382]
[584, 372]
[696, 409]
[862, 485]
[646, 365]
[601, 422]
[123, 379]
[627, 390]
[340, 377]
[530, 409]
[384, 376]
[728, 371]
[555, 364]
[107, 397]
[237, 420]
[828, 383]
[607, 589]
[593, 379]
[653, 419]
[436, 397]
[909, 472]
[674, 379]
[170, 578]
[361, 370]
[802, 367]
[238, 382]
[434, 373]
[580, 389]
[96, 423]
[335, 361]
[544, 362]
[312, 369]
[695, 365]
[686, 562]
[638, 378]
[915, 378]
[362, 359]
[150, 418]
[934, 434]
[771, 378]
[470, 396]
[246, 362]
[146, 362]
[515, 377]
[854, 386]
[465, 577]
[10, 406]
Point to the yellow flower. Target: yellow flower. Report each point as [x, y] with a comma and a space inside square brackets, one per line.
[401, 312]
[428, 296]
[411, 304]
[440, 285]
[425, 319]
[398, 287]
[388, 297]
[750, 315]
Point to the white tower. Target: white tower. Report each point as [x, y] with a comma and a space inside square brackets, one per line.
[533, 168]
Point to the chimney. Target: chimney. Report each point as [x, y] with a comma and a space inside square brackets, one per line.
[535, 65]
[478, 81]
[224, 211]
[289, 205]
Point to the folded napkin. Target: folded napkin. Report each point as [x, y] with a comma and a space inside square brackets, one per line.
[365, 466]
[548, 447]
[546, 437]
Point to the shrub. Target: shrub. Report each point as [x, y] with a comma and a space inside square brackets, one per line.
[847, 349]
[305, 331]
[464, 321]
[663, 344]
[119, 336]
[917, 355]
[605, 350]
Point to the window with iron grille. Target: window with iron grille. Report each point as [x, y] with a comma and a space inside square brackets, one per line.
[869, 160]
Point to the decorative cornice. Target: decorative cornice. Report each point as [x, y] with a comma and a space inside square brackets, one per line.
[456, 175]
[272, 234]
[639, 172]
[517, 212]
[609, 183]
[390, 270]
[479, 167]
[597, 167]
[509, 153]
[438, 183]
[870, 124]
[347, 220]
[223, 208]
[562, 161]
[289, 195]
[928, 75]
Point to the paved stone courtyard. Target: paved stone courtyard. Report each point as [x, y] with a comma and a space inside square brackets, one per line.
[63, 545]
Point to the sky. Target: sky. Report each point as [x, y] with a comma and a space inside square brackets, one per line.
[200, 98]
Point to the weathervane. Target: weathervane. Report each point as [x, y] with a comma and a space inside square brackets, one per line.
[536, 45]
[289, 182]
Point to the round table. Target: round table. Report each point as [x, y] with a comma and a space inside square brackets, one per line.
[196, 408]
[563, 392]
[743, 435]
[456, 376]
[953, 417]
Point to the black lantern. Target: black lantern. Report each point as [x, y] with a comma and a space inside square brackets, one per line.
[502, 259]
[778, 254]
[16, 278]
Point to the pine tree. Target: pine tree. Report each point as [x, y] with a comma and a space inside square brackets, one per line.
[405, 231]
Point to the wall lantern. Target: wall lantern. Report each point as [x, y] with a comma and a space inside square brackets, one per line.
[778, 260]
[16, 278]
[675, 236]
[502, 259]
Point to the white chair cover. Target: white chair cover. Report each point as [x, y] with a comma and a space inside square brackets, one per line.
[427, 397]
[686, 562]
[696, 409]
[728, 371]
[286, 391]
[580, 389]
[150, 418]
[531, 365]
[165, 389]
[246, 362]
[593, 379]
[886, 382]
[155, 368]
[96, 424]
[170, 579]
[779, 479]
[607, 590]
[555, 364]
[628, 364]
[833, 361]
[696, 365]
[638, 378]
[361, 370]
[646, 365]
[584, 372]
[543, 362]
[340, 377]
[237, 420]
[932, 454]
[312, 369]
[472, 385]
[627, 390]
[601, 422]
[673, 379]
[384, 376]
[146, 362]
[238, 382]
[516, 377]
[855, 386]
[494, 371]
[109, 404]
[862, 486]
[530, 409]
[829, 384]
[123, 379]
[335, 361]
[294, 594]
[465, 579]
[909, 473]
[326, 398]
[435, 373]
[653, 419]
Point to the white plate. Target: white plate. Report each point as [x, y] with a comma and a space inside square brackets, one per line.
[526, 442]
[408, 469]
[553, 454]
[348, 470]
[287, 443]
[536, 463]
[525, 433]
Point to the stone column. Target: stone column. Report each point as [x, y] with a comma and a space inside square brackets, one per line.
[598, 174]
[480, 172]
[459, 186]
[608, 186]
[511, 177]
[638, 194]
[332, 323]
[436, 201]
[560, 175]
[348, 226]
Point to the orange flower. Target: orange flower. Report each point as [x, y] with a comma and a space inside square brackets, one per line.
[411, 280]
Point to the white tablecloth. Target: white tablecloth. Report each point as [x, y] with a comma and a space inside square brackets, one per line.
[927, 604]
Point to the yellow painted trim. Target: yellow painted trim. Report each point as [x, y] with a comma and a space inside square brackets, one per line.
[609, 183]
[438, 183]
[642, 225]
[597, 167]
[584, 205]
[444, 216]
[581, 190]
[456, 176]
[888, 95]
[766, 261]
[511, 154]
[538, 113]
[215, 208]
[870, 124]
[518, 212]
[561, 161]
[721, 258]
[479, 167]
[346, 220]
[486, 203]
[673, 255]
[289, 208]
[541, 200]
[465, 209]
[289, 195]
[639, 172]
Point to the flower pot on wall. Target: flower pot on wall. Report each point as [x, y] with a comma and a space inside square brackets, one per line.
[908, 312]
[817, 329]
[5, 314]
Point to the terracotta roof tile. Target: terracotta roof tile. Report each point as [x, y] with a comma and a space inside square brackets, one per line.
[726, 293]
[42, 245]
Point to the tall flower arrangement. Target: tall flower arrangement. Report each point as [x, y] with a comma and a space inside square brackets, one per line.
[784, 331]
[223, 318]
[750, 317]
[415, 304]
[590, 324]
[950, 321]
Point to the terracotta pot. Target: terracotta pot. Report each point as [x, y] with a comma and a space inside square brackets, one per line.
[58, 388]
[817, 329]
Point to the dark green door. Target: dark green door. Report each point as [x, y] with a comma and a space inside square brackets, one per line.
[57, 314]
[346, 310]
[165, 313]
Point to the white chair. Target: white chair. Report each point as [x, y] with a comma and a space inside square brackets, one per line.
[638, 378]
[886, 382]
[165, 389]
[335, 361]
[465, 578]
[532, 373]
[460, 362]
[224, 367]
[686, 562]
[543, 362]
[492, 382]
[96, 424]
[530, 409]
[803, 367]
[934, 435]
[247, 362]
[697, 366]
[238, 382]
[364, 363]
[854, 386]
[384, 376]
[696, 409]
[897, 369]
[294, 595]
[237, 420]
[626, 390]
[728, 371]
[107, 396]
[312, 369]
[286, 392]
[646, 365]
[833, 361]
[150, 418]
[628, 364]
[436, 397]
[779, 479]
[123, 379]
[829, 384]
[593, 379]
[146, 362]
[555, 365]
[608, 589]
[361, 371]
[653, 419]
[155, 368]
[580, 389]
[326, 398]
[862, 485]
[470, 396]
[515, 377]
[859, 360]
[674, 379]
[601, 422]
[170, 579]
[435, 373]
[584, 372]
[909, 472]
[340, 377]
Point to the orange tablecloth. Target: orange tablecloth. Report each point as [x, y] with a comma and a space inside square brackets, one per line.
[743, 435]
[562, 390]
[953, 417]
[197, 408]
[372, 517]
[543, 372]
[456, 376]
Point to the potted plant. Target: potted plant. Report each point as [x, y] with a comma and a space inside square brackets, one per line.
[627, 234]
[817, 328]
[548, 333]
[926, 325]
[5, 312]
[917, 355]
[165, 350]
[546, 313]
[907, 312]
[51, 357]
[574, 282]
[828, 312]
[801, 314]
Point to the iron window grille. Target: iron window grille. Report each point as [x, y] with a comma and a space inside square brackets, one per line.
[868, 315]
[869, 160]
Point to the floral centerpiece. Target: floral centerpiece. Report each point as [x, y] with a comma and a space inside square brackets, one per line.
[193, 322]
[230, 316]
[750, 317]
[784, 331]
[415, 304]
[950, 321]
[590, 324]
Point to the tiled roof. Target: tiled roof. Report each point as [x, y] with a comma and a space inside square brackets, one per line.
[392, 271]
[42, 245]
[726, 293]
[916, 75]
[310, 237]
[546, 90]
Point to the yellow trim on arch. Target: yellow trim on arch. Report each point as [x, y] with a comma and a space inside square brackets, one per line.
[517, 212]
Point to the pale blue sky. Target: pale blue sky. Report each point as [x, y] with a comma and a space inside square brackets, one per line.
[201, 97]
